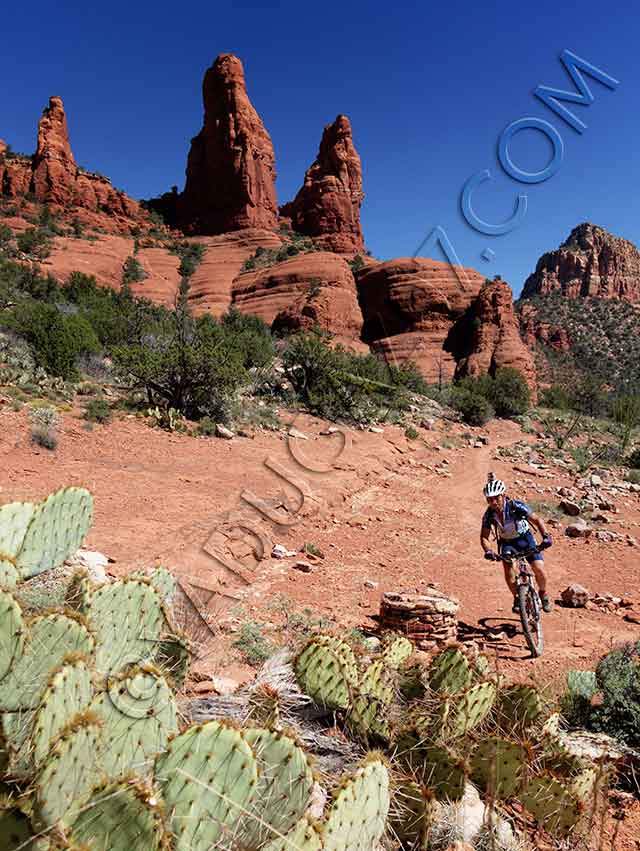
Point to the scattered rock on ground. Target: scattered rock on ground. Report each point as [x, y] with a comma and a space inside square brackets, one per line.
[223, 431]
[578, 529]
[570, 508]
[302, 566]
[575, 596]
[280, 551]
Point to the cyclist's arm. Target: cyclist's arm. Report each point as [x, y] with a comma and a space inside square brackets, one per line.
[538, 522]
[485, 543]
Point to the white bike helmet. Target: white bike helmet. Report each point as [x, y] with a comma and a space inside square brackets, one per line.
[494, 487]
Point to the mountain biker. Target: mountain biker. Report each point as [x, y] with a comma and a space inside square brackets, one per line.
[511, 520]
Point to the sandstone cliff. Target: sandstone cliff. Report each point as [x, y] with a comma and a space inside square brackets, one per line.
[591, 262]
[327, 206]
[52, 177]
[231, 166]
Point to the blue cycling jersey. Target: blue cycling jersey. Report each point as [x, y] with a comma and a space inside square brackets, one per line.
[509, 523]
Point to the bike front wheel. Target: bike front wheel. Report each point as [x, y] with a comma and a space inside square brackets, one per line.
[529, 605]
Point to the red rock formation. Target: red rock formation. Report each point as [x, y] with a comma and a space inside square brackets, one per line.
[54, 168]
[315, 288]
[53, 177]
[328, 204]
[411, 307]
[231, 166]
[591, 262]
[495, 340]
[533, 331]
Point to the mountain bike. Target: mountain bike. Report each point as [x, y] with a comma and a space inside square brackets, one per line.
[529, 602]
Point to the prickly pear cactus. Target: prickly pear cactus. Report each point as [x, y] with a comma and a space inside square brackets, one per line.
[128, 620]
[471, 709]
[120, 816]
[444, 772]
[208, 777]
[161, 579]
[69, 772]
[449, 672]
[303, 837]
[49, 638]
[12, 633]
[15, 731]
[9, 576]
[56, 529]
[138, 714]
[396, 649]
[69, 693]
[14, 521]
[173, 656]
[368, 714]
[327, 671]
[263, 707]
[79, 591]
[284, 788]
[499, 767]
[551, 804]
[357, 817]
[414, 812]
[518, 707]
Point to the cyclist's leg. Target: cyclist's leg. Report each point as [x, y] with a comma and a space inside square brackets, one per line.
[509, 578]
[541, 577]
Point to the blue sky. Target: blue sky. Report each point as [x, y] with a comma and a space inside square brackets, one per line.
[428, 87]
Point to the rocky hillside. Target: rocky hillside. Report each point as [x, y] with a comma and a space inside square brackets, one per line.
[591, 262]
[296, 266]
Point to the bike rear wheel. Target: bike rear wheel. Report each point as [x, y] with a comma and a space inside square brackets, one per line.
[529, 605]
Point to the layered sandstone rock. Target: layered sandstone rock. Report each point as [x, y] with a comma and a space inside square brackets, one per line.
[231, 174]
[54, 168]
[591, 262]
[309, 289]
[210, 290]
[495, 340]
[327, 206]
[533, 331]
[413, 309]
[52, 177]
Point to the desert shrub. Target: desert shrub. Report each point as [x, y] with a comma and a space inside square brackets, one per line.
[6, 235]
[625, 412]
[555, 397]
[190, 254]
[633, 459]
[132, 272]
[509, 393]
[337, 383]
[411, 432]
[192, 365]
[35, 242]
[618, 677]
[252, 337]
[255, 647]
[206, 427]
[78, 228]
[356, 263]
[97, 411]
[57, 340]
[44, 424]
[474, 406]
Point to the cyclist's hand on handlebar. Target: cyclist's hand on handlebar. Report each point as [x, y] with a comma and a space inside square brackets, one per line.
[546, 542]
[491, 556]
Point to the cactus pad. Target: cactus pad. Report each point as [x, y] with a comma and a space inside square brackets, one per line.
[14, 521]
[444, 773]
[9, 576]
[303, 837]
[79, 591]
[138, 712]
[208, 777]
[357, 817]
[551, 804]
[56, 529]
[414, 813]
[128, 620]
[283, 791]
[120, 817]
[161, 579]
[69, 692]
[518, 708]
[449, 672]
[471, 709]
[396, 650]
[49, 639]
[12, 633]
[69, 772]
[15, 728]
[327, 671]
[498, 767]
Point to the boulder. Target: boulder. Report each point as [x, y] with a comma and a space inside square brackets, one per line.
[309, 289]
[495, 340]
[570, 508]
[327, 207]
[231, 173]
[414, 308]
[575, 596]
[578, 529]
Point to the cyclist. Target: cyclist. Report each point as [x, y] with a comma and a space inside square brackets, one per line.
[510, 520]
